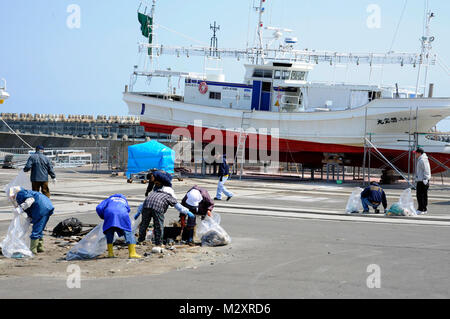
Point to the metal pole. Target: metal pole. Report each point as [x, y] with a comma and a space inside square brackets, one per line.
[390, 164]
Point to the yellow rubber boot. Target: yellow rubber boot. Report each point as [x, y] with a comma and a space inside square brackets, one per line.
[132, 251]
[110, 251]
[33, 246]
[40, 246]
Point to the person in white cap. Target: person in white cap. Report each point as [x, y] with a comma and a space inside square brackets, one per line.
[198, 201]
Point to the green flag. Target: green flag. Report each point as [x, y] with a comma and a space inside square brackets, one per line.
[146, 28]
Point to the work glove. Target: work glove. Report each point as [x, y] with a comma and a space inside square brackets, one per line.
[136, 216]
[54, 181]
[425, 181]
[29, 219]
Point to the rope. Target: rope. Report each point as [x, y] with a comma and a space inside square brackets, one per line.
[398, 25]
[16, 134]
[183, 35]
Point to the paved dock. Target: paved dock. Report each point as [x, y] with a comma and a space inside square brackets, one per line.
[290, 239]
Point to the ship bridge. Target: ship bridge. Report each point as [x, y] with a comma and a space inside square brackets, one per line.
[277, 85]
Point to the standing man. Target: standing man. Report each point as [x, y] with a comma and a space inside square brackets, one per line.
[40, 167]
[224, 173]
[423, 175]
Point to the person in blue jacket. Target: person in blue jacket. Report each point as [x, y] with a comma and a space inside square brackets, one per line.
[373, 195]
[38, 208]
[224, 174]
[114, 211]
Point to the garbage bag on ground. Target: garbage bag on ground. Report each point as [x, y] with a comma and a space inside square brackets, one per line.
[91, 246]
[404, 207]
[68, 227]
[17, 241]
[354, 204]
[395, 210]
[407, 203]
[211, 233]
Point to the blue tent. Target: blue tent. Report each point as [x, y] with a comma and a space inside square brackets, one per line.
[149, 155]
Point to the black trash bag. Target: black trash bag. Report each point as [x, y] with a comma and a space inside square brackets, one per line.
[68, 227]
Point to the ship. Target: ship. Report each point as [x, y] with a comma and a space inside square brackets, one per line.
[312, 123]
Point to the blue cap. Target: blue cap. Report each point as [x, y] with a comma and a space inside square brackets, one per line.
[39, 148]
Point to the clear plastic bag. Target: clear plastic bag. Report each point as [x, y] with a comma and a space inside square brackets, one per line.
[354, 204]
[211, 233]
[91, 246]
[407, 203]
[17, 241]
[22, 179]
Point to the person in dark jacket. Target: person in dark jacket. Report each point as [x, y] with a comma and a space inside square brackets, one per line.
[156, 205]
[38, 208]
[114, 211]
[198, 201]
[40, 167]
[224, 174]
[151, 182]
[373, 195]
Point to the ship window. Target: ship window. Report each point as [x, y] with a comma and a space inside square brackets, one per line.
[268, 74]
[266, 86]
[285, 75]
[260, 73]
[298, 75]
[277, 75]
[215, 95]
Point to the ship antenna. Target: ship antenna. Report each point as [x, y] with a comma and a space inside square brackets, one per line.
[214, 42]
[260, 49]
[426, 47]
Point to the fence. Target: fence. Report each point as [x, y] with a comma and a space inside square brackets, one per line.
[60, 157]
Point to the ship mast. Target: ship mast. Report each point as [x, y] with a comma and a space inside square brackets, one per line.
[153, 31]
[260, 49]
[426, 47]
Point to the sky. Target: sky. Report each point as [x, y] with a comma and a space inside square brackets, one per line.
[54, 65]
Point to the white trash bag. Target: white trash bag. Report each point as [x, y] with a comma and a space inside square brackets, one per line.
[407, 203]
[22, 179]
[354, 204]
[17, 241]
[91, 246]
[211, 233]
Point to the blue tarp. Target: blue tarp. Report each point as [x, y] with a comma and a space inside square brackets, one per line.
[149, 155]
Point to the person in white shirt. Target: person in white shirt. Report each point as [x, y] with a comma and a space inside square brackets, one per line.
[423, 176]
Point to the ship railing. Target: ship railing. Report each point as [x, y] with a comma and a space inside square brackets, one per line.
[438, 136]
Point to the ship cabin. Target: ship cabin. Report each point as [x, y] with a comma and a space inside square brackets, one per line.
[283, 87]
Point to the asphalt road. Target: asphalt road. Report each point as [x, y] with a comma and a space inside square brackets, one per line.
[297, 253]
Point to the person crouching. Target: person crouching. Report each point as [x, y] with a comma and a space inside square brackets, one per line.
[198, 201]
[114, 211]
[39, 208]
[155, 206]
